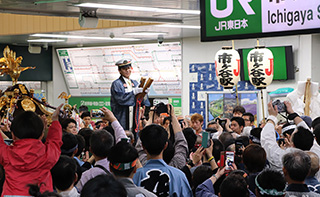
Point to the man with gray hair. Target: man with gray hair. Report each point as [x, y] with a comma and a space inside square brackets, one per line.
[296, 167]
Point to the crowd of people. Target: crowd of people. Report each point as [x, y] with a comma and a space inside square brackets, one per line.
[133, 152]
[167, 157]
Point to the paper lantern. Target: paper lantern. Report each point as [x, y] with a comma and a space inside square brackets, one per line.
[260, 67]
[227, 63]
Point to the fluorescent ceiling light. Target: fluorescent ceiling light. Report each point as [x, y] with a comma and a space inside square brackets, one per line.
[82, 37]
[180, 26]
[145, 33]
[137, 8]
[46, 40]
[49, 1]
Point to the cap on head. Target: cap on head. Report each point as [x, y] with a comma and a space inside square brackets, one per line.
[123, 63]
[307, 120]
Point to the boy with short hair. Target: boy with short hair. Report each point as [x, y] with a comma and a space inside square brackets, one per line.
[156, 176]
[64, 176]
[70, 144]
[101, 142]
[28, 160]
[86, 120]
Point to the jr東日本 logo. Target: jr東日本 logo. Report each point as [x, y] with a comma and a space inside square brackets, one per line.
[229, 9]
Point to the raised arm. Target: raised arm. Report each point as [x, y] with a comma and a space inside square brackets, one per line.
[54, 138]
[119, 132]
[180, 144]
[268, 138]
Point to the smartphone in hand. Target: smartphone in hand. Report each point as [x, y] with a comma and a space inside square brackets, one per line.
[226, 159]
[205, 139]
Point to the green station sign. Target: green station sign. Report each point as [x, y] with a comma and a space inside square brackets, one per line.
[237, 19]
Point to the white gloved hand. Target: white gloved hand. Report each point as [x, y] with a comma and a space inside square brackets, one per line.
[137, 90]
[147, 90]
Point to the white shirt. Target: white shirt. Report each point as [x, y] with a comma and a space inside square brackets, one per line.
[270, 145]
[129, 84]
[70, 193]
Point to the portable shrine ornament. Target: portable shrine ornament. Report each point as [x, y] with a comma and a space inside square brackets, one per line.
[260, 67]
[227, 63]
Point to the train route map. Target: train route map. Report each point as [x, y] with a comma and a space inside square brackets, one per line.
[90, 71]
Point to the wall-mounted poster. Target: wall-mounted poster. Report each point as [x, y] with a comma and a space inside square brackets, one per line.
[202, 80]
[221, 104]
[90, 71]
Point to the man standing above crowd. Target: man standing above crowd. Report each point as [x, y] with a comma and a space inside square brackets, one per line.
[123, 92]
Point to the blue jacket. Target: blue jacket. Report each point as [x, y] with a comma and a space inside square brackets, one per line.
[162, 179]
[206, 189]
[121, 100]
[313, 184]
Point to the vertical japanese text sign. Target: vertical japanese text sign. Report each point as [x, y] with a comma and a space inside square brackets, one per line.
[260, 67]
[227, 62]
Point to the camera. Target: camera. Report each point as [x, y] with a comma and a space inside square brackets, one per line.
[280, 106]
[160, 39]
[161, 108]
[222, 123]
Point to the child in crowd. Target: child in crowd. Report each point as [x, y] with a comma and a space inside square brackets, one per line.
[28, 160]
[123, 158]
[86, 120]
[64, 176]
[70, 145]
[101, 142]
[156, 176]
[103, 185]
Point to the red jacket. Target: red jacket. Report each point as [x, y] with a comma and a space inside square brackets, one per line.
[29, 161]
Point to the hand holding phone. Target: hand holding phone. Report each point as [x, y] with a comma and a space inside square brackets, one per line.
[227, 160]
[205, 139]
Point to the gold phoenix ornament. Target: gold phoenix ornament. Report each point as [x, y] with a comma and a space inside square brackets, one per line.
[10, 65]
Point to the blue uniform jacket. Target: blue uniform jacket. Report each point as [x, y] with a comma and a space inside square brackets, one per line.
[121, 100]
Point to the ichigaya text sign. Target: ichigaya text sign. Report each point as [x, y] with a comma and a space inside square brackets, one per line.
[237, 19]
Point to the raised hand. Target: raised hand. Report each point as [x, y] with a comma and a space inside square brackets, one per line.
[55, 115]
[108, 114]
